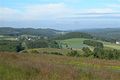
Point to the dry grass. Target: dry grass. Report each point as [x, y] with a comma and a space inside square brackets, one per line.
[51, 67]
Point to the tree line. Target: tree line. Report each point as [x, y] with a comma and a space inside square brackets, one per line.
[93, 43]
[17, 46]
[74, 35]
[100, 51]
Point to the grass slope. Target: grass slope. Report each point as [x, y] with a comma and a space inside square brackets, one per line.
[74, 43]
[78, 43]
[50, 67]
[111, 45]
[49, 50]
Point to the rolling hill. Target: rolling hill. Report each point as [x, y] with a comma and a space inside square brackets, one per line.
[28, 31]
[108, 34]
[78, 43]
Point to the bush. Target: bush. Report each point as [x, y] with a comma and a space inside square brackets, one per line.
[37, 44]
[93, 43]
[98, 53]
[9, 46]
[87, 51]
[56, 53]
[35, 51]
[73, 54]
[24, 51]
[19, 47]
[106, 53]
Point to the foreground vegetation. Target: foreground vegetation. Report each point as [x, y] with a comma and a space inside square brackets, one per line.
[50, 67]
[71, 56]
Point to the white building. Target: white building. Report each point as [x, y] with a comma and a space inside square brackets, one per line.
[117, 42]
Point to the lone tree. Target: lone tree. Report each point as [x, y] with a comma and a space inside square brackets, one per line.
[19, 47]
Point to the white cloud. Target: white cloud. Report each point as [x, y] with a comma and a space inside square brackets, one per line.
[7, 13]
[100, 10]
[46, 11]
[50, 11]
[36, 12]
[114, 5]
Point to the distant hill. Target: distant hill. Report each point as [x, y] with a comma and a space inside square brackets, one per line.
[28, 31]
[71, 35]
[107, 34]
[110, 34]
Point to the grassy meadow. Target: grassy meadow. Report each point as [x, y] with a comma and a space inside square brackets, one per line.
[52, 67]
[74, 43]
[78, 43]
[112, 45]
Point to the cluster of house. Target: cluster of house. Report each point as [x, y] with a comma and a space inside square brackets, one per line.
[31, 38]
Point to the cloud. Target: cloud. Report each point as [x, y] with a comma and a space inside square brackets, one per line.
[52, 11]
[96, 13]
[100, 10]
[47, 11]
[7, 13]
[114, 5]
[36, 12]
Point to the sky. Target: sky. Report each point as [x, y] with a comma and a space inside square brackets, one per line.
[60, 14]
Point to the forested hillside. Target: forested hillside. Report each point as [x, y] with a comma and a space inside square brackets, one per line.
[28, 31]
[108, 34]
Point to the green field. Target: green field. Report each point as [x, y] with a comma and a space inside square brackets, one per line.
[111, 45]
[74, 43]
[15, 66]
[7, 38]
[78, 43]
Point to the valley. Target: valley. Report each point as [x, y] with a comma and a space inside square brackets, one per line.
[68, 56]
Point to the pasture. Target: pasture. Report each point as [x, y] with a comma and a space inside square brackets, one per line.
[78, 43]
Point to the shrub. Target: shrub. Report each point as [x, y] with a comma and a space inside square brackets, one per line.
[87, 51]
[73, 53]
[56, 53]
[106, 53]
[34, 51]
[25, 51]
[93, 43]
[19, 47]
